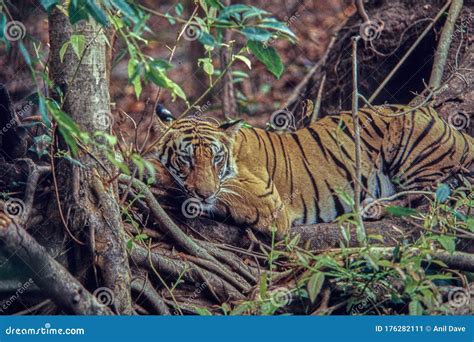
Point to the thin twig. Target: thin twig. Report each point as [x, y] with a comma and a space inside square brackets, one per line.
[445, 39]
[317, 105]
[355, 119]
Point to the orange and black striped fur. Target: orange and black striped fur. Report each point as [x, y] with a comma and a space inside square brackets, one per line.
[262, 179]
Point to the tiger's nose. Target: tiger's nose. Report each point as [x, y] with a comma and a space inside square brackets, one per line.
[204, 194]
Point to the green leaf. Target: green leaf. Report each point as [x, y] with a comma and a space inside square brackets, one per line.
[268, 56]
[315, 284]
[63, 50]
[415, 308]
[49, 4]
[202, 311]
[214, 3]
[206, 65]
[263, 285]
[43, 111]
[134, 72]
[126, 9]
[137, 86]
[24, 53]
[401, 211]
[159, 77]
[255, 33]
[78, 43]
[206, 39]
[245, 60]
[470, 224]
[253, 12]
[229, 11]
[179, 9]
[97, 13]
[442, 192]
[448, 243]
[67, 127]
[3, 22]
[77, 12]
[170, 19]
[161, 64]
[276, 25]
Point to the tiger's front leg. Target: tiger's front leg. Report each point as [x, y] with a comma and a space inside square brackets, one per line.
[250, 200]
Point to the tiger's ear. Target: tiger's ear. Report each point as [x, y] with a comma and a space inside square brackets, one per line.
[165, 117]
[232, 127]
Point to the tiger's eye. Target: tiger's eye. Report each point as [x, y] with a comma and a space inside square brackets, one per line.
[218, 158]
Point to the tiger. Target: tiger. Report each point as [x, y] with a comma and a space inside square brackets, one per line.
[271, 181]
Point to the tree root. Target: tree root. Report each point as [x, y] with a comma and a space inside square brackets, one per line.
[188, 271]
[51, 277]
[144, 288]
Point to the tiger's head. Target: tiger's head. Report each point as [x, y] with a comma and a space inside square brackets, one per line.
[198, 153]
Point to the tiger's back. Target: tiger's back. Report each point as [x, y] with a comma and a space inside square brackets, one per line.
[313, 166]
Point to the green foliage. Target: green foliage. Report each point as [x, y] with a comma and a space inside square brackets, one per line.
[401, 211]
[372, 280]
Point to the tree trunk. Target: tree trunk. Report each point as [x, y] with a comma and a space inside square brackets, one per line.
[88, 200]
